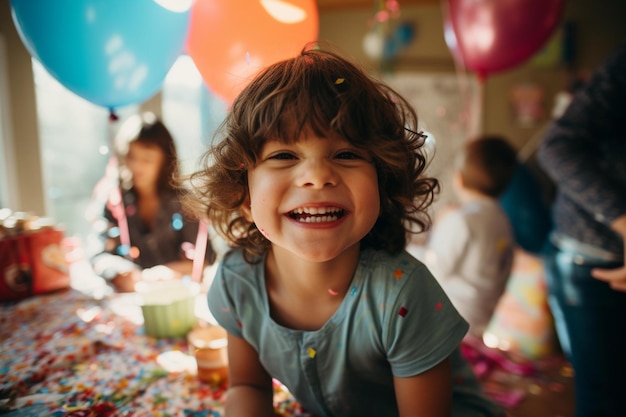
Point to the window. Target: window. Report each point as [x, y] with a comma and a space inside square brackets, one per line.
[75, 137]
[190, 111]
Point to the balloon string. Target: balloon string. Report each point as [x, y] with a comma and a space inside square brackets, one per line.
[476, 115]
[112, 116]
[472, 101]
[116, 199]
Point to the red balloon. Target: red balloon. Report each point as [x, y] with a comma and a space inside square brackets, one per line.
[494, 35]
[230, 41]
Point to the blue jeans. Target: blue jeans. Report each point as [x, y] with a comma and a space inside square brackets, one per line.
[590, 320]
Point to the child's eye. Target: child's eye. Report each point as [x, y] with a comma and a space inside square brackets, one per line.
[282, 156]
[348, 155]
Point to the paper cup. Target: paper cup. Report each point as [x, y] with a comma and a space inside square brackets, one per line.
[209, 346]
[168, 308]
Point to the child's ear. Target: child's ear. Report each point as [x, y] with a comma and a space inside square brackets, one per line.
[246, 210]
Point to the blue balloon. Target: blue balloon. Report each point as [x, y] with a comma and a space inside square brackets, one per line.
[109, 52]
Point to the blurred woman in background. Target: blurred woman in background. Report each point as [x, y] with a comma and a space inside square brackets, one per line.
[148, 235]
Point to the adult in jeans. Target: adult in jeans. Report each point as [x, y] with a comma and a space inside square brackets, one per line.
[584, 152]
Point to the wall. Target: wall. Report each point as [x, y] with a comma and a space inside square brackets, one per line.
[21, 127]
[599, 27]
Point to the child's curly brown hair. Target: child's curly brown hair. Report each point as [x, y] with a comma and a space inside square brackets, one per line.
[321, 91]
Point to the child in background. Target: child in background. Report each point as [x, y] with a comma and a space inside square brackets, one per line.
[470, 247]
[315, 184]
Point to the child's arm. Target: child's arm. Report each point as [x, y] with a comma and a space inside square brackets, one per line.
[250, 391]
[426, 395]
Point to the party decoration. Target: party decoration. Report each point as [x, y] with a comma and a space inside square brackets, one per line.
[522, 323]
[401, 36]
[111, 53]
[387, 36]
[494, 35]
[231, 41]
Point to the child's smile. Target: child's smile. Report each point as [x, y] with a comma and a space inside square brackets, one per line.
[317, 214]
[315, 197]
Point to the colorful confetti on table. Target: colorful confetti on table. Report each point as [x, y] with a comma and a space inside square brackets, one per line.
[67, 354]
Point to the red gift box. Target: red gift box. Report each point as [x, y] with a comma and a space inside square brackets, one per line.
[32, 263]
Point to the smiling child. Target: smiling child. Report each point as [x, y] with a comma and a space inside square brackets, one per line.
[315, 183]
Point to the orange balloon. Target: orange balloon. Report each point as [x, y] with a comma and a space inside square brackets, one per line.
[230, 41]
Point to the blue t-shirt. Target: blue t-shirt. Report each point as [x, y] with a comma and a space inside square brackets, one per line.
[394, 320]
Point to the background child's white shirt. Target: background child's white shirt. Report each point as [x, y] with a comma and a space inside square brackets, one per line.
[470, 253]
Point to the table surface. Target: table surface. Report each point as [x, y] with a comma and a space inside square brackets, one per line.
[74, 352]
[83, 351]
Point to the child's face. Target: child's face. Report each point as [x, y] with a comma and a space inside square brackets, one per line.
[316, 197]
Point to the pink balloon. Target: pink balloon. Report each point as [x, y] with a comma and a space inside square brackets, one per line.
[494, 35]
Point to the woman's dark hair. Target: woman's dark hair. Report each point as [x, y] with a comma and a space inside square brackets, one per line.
[148, 130]
[322, 92]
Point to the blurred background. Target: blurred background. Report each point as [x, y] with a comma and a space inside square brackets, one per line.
[55, 143]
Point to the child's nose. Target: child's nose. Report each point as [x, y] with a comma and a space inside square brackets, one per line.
[317, 173]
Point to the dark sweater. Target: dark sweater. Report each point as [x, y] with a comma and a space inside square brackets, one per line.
[584, 152]
[162, 244]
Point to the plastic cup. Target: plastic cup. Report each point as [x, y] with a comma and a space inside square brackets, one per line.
[209, 345]
[168, 307]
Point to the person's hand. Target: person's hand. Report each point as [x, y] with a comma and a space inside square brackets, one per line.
[615, 277]
[125, 282]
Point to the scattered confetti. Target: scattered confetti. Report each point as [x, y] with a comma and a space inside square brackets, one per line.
[398, 273]
[438, 306]
[312, 353]
[339, 81]
[134, 252]
[403, 311]
[66, 354]
[332, 292]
